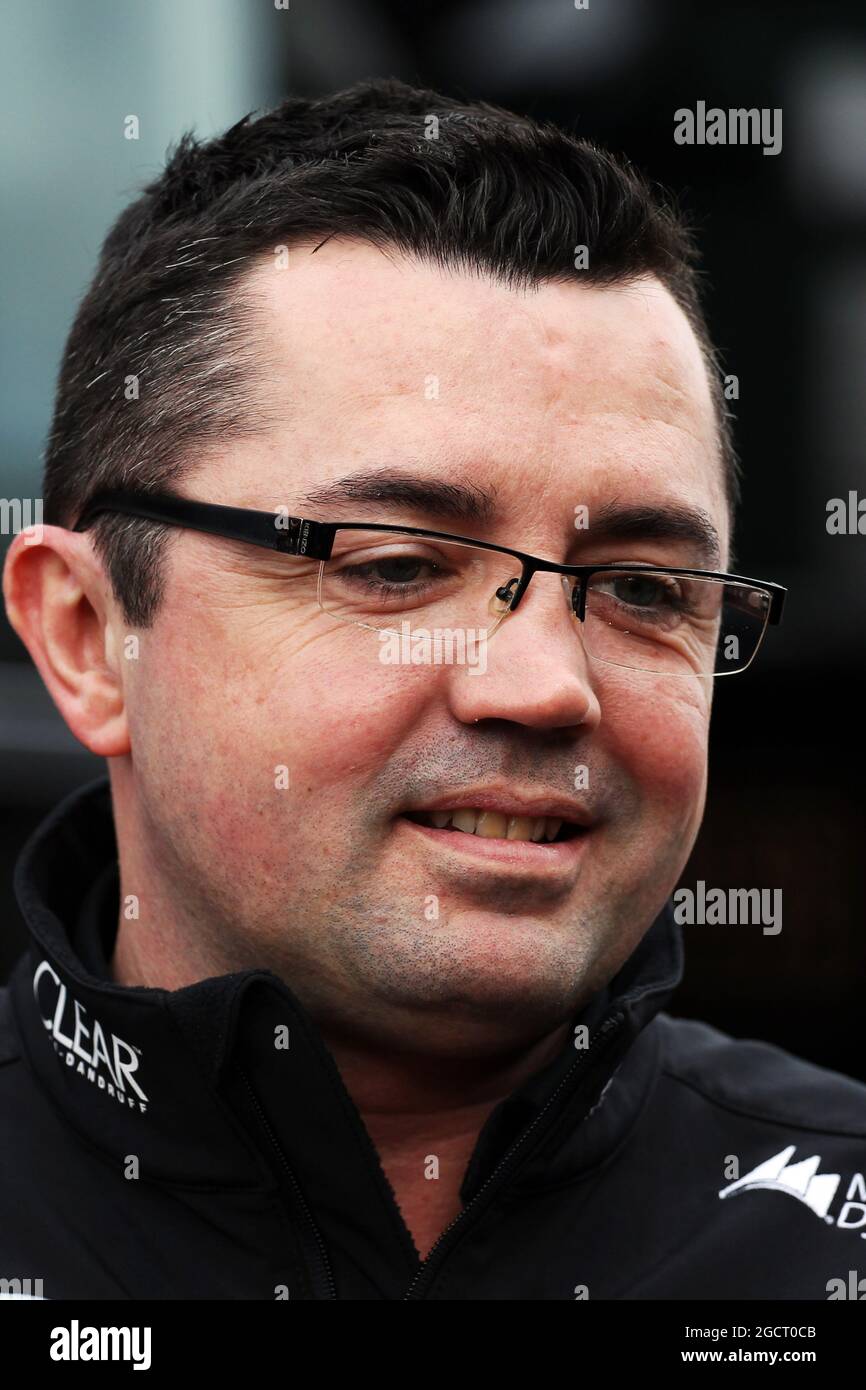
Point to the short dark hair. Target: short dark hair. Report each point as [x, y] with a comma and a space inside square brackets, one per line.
[167, 309]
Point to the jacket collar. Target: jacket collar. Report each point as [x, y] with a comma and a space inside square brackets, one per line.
[191, 1079]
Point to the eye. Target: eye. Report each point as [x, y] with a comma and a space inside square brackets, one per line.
[402, 571]
[394, 569]
[642, 591]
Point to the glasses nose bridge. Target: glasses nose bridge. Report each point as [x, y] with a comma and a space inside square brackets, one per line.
[573, 585]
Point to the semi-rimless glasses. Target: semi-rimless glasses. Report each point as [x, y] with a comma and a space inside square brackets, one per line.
[674, 622]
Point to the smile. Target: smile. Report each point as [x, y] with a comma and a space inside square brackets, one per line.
[493, 825]
[553, 859]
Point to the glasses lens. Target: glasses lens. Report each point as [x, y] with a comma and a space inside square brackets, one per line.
[640, 619]
[673, 624]
[381, 579]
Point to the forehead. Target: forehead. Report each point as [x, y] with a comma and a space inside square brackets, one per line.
[580, 392]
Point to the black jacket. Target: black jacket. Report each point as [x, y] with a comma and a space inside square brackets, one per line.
[157, 1144]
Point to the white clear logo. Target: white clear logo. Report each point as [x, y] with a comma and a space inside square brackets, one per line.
[80, 1041]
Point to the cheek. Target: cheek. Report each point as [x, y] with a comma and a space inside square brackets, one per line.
[338, 714]
[659, 740]
[218, 706]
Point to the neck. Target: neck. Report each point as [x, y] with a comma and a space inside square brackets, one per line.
[424, 1116]
[421, 1086]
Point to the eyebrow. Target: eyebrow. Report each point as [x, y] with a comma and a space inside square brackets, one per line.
[382, 487]
[669, 521]
[470, 503]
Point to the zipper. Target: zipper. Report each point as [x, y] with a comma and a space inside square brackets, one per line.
[437, 1254]
[300, 1199]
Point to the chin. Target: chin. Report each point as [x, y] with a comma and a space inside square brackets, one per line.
[537, 994]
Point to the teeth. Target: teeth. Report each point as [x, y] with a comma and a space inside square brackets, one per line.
[493, 825]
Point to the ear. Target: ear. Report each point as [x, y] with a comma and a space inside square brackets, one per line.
[59, 601]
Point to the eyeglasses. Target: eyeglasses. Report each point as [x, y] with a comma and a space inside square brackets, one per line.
[674, 622]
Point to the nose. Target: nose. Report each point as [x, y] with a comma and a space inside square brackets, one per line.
[536, 671]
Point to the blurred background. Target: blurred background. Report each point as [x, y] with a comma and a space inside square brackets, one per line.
[784, 241]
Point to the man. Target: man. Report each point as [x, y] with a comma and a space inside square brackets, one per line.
[348, 982]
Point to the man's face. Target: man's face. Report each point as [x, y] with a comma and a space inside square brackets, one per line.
[550, 399]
